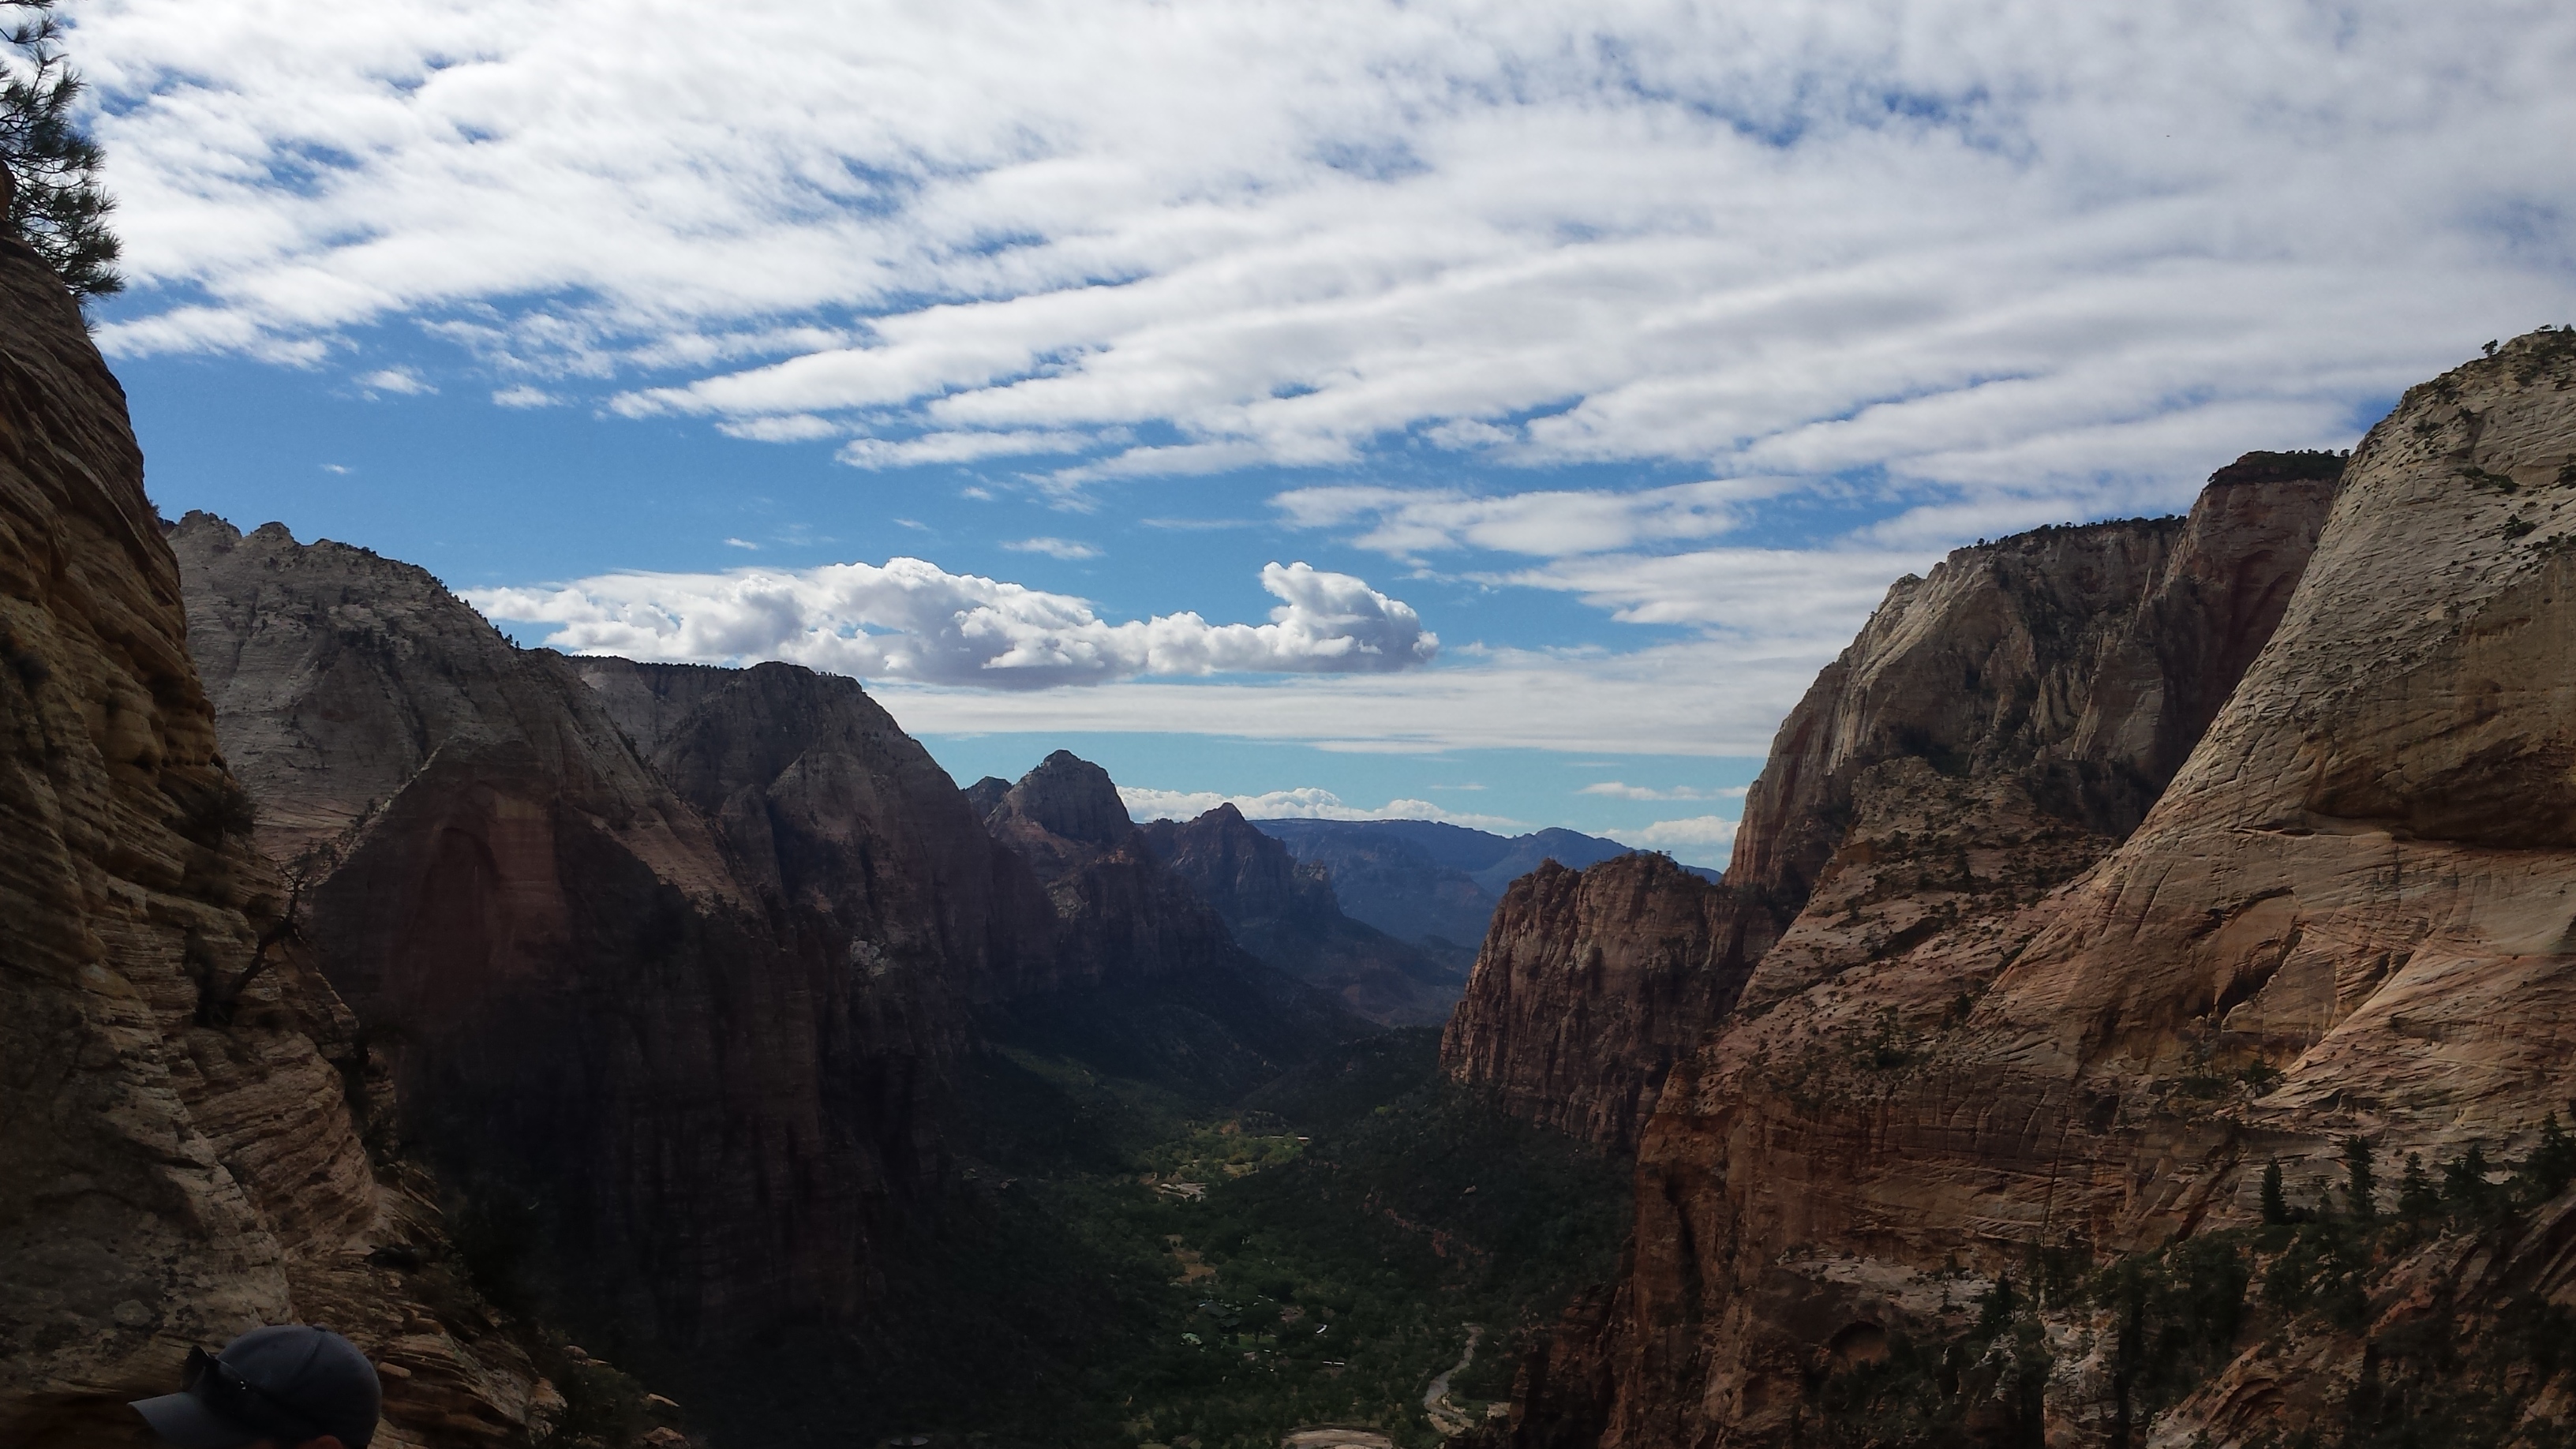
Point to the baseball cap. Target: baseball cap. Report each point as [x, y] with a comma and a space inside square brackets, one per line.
[290, 1383]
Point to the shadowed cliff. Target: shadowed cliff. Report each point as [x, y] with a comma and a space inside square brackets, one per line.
[193, 1136]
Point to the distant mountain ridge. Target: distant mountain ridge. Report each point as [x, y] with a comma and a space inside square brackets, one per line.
[1427, 881]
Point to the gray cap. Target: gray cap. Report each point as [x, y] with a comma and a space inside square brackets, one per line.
[290, 1383]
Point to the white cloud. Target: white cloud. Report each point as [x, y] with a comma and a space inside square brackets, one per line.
[524, 396]
[784, 428]
[1698, 830]
[2000, 252]
[399, 380]
[742, 543]
[1547, 524]
[1716, 697]
[909, 620]
[1642, 792]
[1805, 601]
[1305, 803]
[1058, 548]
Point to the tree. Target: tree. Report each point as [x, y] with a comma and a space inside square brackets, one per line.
[2361, 1196]
[2276, 1206]
[48, 164]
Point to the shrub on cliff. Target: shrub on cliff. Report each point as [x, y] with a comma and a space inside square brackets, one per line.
[48, 165]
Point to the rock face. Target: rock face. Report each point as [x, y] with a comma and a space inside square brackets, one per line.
[184, 1110]
[1147, 979]
[2346, 916]
[1285, 914]
[1993, 731]
[678, 956]
[1592, 984]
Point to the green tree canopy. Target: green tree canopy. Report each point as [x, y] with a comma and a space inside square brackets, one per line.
[48, 164]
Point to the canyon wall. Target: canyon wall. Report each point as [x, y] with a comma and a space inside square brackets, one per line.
[190, 1131]
[586, 1000]
[1994, 730]
[2345, 918]
[1285, 913]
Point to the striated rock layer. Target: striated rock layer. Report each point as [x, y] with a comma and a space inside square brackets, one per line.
[1993, 731]
[185, 1107]
[2346, 916]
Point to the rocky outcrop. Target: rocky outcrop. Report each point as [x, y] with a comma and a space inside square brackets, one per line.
[1148, 983]
[1995, 729]
[2345, 917]
[1119, 913]
[700, 1033]
[837, 817]
[1284, 913]
[185, 1110]
[1592, 983]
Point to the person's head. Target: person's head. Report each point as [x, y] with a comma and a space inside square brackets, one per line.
[289, 1387]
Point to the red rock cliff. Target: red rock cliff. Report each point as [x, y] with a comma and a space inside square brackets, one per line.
[1995, 729]
[701, 1029]
[2346, 917]
[182, 1105]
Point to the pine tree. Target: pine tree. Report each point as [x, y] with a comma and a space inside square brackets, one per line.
[2417, 1199]
[2276, 1206]
[2361, 1197]
[50, 194]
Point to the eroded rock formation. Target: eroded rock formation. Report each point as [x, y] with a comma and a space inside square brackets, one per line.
[2345, 918]
[1148, 979]
[185, 1107]
[1994, 730]
[587, 999]
[1285, 914]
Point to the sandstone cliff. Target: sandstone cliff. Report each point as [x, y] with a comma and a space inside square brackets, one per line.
[2344, 921]
[682, 1049]
[1285, 914]
[1993, 731]
[184, 1110]
[1592, 984]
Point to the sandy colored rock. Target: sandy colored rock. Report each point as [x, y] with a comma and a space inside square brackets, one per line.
[2360, 879]
[181, 1154]
[1995, 729]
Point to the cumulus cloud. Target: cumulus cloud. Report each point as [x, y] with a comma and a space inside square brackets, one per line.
[1992, 252]
[1623, 791]
[910, 620]
[1304, 803]
[1058, 548]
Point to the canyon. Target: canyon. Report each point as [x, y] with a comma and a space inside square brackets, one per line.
[2112, 896]
[2137, 1012]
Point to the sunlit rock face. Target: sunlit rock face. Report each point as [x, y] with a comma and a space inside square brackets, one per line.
[1993, 731]
[186, 1107]
[2345, 915]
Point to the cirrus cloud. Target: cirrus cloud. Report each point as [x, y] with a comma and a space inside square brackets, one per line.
[910, 620]
[1978, 246]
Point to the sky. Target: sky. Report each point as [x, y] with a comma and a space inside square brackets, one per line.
[1486, 412]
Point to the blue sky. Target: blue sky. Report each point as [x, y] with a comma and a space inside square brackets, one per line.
[1489, 412]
